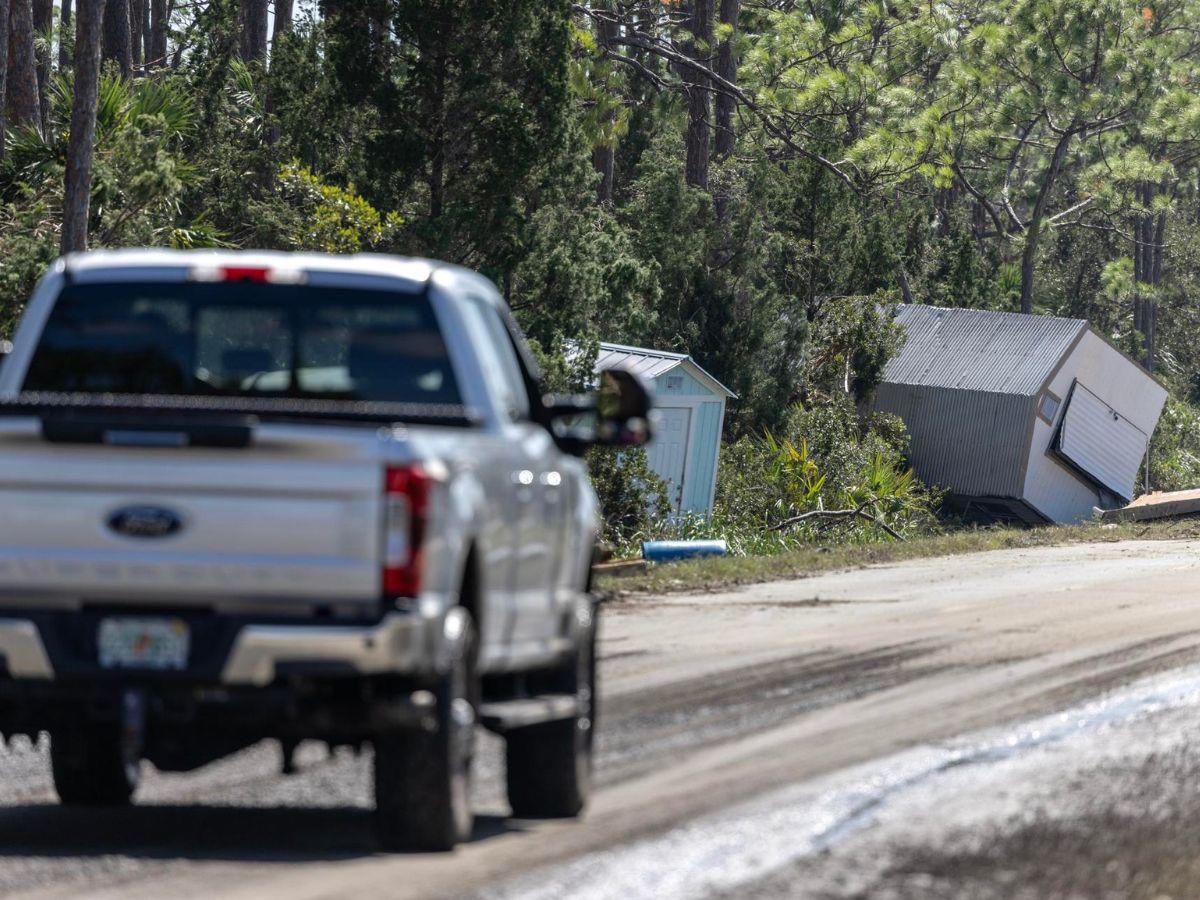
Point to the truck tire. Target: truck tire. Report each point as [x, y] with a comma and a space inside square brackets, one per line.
[91, 768]
[423, 778]
[549, 766]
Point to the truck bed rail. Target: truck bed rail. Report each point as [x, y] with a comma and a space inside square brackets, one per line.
[65, 408]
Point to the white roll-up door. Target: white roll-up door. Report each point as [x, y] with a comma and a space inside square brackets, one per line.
[1101, 442]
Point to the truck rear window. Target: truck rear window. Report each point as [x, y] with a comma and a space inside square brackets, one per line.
[236, 339]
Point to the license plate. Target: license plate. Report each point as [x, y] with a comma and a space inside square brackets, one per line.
[156, 644]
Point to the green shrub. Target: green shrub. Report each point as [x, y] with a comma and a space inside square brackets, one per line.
[308, 213]
[829, 460]
[1175, 449]
[630, 494]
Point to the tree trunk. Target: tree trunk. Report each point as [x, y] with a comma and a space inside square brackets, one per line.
[1148, 234]
[43, 31]
[1033, 228]
[604, 154]
[727, 65]
[1156, 259]
[144, 29]
[698, 89]
[78, 193]
[136, 8]
[253, 16]
[283, 24]
[116, 42]
[437, 150]
[283, 20]
[64, 46]
[4, 7]
[23, 104]
[156, 55]
[379, 29]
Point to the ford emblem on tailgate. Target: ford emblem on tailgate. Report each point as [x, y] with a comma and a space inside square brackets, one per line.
[145, 522]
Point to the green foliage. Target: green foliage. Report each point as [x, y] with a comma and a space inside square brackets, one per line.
[830, 461]
[630, 494]
[795, 475]
[959, 153]
[139, 178]
[28, 245]
[1175, 450]
[306, 213]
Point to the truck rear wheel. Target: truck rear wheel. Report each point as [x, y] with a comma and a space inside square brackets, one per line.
[549, 766]
[423, 778]
[91, 767]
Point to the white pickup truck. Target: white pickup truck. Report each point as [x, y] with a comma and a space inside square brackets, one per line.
[255, 495]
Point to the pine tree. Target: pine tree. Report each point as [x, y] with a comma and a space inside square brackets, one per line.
[252, 16]
[727, 65]
[699, 91]
[78, 183]
[64, 26]
[24, 106]
[117, 43]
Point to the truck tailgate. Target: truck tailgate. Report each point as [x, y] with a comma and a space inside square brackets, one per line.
[295, 515]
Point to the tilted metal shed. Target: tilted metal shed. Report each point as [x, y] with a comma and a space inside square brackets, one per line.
[691, 411]
[1018, 416]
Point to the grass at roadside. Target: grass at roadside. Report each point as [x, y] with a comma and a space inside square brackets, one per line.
[717, 573]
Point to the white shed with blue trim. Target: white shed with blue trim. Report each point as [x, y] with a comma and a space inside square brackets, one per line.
[691, 407]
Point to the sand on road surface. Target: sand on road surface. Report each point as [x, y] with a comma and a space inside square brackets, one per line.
[709, 700]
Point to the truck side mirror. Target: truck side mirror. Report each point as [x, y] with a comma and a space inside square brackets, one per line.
[618, 414]
[623, 407]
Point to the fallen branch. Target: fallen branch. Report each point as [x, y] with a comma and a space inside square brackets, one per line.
[860, 513]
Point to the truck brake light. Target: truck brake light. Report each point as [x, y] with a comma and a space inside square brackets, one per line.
[247, 275]
[251, 274]
[406, 512]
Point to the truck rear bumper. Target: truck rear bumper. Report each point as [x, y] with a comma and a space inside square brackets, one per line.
[48, 647]
[398, 644]
[23, 650]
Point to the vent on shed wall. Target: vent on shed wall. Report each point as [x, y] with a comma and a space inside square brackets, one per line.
[1101, 443]
[1048, 407]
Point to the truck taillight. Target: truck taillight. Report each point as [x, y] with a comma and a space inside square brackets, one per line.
[406, 511]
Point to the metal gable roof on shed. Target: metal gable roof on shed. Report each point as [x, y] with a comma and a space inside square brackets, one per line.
[980, 350]
[652, 363]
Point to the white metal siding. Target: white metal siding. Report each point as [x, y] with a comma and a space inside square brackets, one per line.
[1054, 489]
[1102, 442]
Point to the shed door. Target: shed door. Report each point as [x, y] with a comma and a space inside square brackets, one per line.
[1101, 442]
[667, 453]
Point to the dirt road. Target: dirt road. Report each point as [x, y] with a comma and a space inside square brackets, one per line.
[757, 740]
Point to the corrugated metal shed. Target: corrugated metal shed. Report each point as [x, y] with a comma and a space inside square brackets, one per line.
[980, 350]
[1034, 414]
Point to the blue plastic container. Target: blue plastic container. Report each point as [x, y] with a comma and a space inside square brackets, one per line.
[667, 551]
